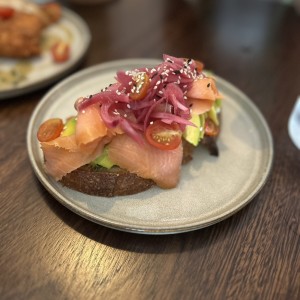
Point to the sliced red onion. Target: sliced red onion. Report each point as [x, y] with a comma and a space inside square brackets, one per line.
[165, 100]
[171, 117]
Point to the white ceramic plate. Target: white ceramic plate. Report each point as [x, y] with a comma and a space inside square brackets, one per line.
[210, 189]
[42, 70]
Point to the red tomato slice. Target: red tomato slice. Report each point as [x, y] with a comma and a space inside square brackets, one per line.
[141, 86]
[60, 52]
[210, 128]
[6, 12]
[164, 136]
[50, 130]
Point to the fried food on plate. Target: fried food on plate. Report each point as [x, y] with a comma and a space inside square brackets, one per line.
[21, 26]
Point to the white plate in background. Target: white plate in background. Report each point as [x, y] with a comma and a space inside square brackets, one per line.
[43, 71]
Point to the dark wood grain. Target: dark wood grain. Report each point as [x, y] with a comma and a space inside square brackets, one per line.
[48, 252]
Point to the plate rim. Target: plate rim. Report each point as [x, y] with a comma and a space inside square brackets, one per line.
[146, 229]
[39, 84]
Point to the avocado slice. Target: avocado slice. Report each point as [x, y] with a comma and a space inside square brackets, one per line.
[212, 114]
[193, 134]
[103, 160]
[70, 127]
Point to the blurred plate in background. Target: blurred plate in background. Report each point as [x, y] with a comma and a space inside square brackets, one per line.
[26, 75]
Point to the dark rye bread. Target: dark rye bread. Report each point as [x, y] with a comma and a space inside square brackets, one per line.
[99, 181]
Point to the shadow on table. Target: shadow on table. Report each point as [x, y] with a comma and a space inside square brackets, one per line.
[140, 243]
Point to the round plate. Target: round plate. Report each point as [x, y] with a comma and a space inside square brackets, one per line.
[42, 70]
[210, 189]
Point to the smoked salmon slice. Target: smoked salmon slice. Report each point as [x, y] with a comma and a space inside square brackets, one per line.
[202, 95]
[63, 155]
[204, 88]
[90, 125]
[146, 161]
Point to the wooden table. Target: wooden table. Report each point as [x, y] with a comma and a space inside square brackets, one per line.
[48, 252]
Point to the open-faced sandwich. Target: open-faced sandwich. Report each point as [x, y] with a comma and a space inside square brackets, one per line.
[21, 25]
[135, 133]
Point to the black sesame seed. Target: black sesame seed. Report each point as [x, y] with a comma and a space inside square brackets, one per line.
[208, 85]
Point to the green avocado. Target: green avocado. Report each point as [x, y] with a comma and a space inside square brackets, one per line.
[70, 127]
[212, 114]
[103, 160]
[193, 134]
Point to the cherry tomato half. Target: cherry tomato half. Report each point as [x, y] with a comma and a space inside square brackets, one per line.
[6, 12]
[60, 52]
[164, 136]
[140, 87]
[50, 130]
[210, 128]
